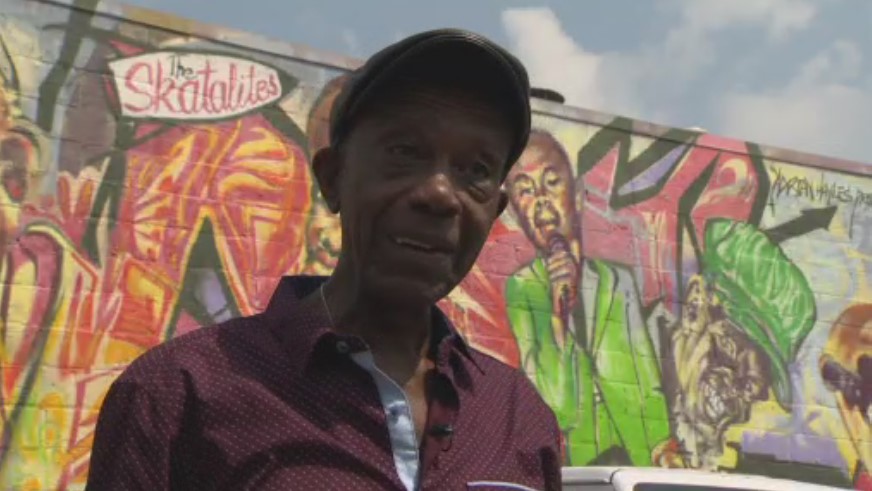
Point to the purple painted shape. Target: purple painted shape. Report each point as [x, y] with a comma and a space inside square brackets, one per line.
[795, 448]
[689, 265]
[797, 442]
[209, 292]
[651, 175]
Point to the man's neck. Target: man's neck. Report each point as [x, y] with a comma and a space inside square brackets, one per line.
[397, 335]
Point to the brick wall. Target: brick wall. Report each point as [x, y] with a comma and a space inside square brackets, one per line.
[155, 179]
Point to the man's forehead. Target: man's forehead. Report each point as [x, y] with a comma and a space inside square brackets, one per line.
[412, 97]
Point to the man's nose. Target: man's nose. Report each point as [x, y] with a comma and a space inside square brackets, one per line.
[436, 194]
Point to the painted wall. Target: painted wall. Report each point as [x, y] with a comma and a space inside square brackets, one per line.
[680, 299]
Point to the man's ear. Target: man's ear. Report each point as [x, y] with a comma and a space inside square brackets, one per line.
[327, 167]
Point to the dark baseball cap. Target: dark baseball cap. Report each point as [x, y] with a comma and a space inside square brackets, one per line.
[448, 57]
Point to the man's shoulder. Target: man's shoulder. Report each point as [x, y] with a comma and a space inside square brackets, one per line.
[207, 347]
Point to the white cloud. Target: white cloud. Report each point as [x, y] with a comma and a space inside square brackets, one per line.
[826, 108]
[841, 62]
[689, 47]
[779, 17]
[552, 57]
[349, 39]
[601, 81]
[636, 83]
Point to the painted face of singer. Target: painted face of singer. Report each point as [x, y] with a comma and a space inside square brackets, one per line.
[542, 193]
[541, 190]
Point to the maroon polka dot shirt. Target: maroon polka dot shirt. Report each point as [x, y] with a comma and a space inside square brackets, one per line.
[275, 402]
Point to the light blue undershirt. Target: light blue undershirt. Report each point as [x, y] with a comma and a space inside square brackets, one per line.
[398, 413]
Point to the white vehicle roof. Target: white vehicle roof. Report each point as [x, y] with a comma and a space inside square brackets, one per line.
[624, 478]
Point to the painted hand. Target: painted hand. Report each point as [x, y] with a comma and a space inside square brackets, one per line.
[668, 454]
[563, 272]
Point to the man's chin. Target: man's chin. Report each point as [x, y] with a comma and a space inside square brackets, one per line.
[407, 290]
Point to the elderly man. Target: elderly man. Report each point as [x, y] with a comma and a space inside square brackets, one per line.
[357, 381]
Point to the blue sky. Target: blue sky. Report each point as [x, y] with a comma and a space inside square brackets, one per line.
[790, 73]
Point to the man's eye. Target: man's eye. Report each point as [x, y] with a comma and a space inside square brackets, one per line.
[480, 171]
[475, 171]
[404, 150]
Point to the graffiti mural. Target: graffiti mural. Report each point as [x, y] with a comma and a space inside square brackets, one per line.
[679, 299]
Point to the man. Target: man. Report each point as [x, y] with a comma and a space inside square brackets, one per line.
[359, 382]
[578, 325]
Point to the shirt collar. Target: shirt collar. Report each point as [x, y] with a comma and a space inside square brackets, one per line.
[303, 324]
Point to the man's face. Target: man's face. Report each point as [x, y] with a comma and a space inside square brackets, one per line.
[721, 373]
[418, 189]
[541, 191]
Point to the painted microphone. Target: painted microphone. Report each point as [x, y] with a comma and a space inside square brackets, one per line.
[557, 245]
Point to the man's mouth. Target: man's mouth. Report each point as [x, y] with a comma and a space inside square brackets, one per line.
[421, 245]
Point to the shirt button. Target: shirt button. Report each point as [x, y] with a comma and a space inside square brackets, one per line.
[342, 347]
